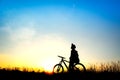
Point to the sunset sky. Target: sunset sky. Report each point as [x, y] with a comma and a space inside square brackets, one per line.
[34, 32]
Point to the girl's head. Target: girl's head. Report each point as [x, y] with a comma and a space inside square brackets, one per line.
[73, 46]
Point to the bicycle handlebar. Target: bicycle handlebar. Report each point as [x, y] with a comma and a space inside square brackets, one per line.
[61, 57]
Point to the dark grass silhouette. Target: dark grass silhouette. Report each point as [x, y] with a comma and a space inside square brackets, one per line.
[107, 72]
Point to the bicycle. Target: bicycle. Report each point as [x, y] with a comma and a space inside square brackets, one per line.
[58, 68]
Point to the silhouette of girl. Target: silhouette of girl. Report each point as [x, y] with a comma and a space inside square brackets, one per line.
[74, 57]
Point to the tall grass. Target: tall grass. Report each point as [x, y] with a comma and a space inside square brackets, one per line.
[111, 67]
[102, 67]
[18, 69]
[105, 67]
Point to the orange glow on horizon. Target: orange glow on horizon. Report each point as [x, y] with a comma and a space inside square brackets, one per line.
[48, 65]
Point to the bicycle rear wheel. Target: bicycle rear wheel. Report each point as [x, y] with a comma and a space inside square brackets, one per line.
[79, 67]
[58, 68]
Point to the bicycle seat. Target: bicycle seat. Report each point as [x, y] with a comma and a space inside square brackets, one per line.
[61, 57]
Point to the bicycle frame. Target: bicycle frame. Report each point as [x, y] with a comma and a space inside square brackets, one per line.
[63, 61]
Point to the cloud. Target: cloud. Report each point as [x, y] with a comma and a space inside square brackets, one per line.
[24, 33]
[40, 49]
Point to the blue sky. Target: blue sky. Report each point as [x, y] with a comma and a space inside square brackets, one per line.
[93, 25]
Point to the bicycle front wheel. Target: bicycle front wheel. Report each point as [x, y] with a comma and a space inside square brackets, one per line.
[79, 67]
[58, 68]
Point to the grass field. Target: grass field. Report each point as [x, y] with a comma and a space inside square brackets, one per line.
[106, 72]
